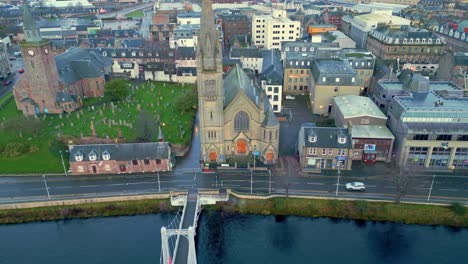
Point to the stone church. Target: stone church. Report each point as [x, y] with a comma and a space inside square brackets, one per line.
[236, 118]
[54, 85]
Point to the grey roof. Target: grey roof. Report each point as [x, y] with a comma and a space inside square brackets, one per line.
[62, 97]
[334, 72]
[78, 63]
[461, 58]
[371, 131]
[28, 20]
[334, 66]
[327, 137]
[270, 117]
[124, 152]
[354, 106]
[246, 53]
[237, 81]
[272, 68]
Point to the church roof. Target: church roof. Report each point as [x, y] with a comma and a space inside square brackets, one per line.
[237, 80]
[79, 63]
[28, 20]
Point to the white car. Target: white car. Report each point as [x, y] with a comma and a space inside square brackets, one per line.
[290, 97]
[355, 186]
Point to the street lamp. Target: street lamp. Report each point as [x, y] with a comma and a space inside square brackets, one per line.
[430, 189]
[338, 163]
[269, 182]
[46, 187]
[63, 163]
[159, 183]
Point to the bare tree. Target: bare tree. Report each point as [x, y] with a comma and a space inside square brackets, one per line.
[402, 181]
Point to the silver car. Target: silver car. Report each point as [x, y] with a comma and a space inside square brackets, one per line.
[355, 186]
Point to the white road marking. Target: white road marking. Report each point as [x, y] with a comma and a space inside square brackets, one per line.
[449, 190]
[315, 183]
[86, 186]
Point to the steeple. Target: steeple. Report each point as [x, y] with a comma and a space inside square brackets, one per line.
[30, 27]
[209, 47]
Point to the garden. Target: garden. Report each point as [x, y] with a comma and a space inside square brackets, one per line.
[130, 111]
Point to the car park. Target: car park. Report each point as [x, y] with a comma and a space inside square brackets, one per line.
[355, 186]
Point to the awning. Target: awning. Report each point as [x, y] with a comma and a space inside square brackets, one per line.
[368, 151]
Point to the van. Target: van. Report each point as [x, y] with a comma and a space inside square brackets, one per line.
[17, 53]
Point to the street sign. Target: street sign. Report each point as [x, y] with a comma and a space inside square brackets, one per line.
[221, 157]
[369, 146]
[256, 153]
[341, 158]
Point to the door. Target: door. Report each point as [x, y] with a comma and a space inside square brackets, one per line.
[94, 168]
[213, 156]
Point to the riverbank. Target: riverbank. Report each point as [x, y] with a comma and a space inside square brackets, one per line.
[85, 210]
[455, 215]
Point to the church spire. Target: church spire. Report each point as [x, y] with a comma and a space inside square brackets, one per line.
[30, 27]
[209, 47]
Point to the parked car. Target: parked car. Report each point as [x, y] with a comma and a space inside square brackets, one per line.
[20, 70]
[17, 53]
[8, 82]
[12, 58]
[290, 97]
[355, 186]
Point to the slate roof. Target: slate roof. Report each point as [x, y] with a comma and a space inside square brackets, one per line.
[327, 137]
[78, 63]
[272, 68]
[133, 43]
[246, 53]
[185, 52]
[461, 59]
[28, 19]
[129, 151]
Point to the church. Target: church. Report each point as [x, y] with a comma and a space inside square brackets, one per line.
[236, 118]
[56, 84]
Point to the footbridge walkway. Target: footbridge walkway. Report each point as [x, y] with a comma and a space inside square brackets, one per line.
[178, 238]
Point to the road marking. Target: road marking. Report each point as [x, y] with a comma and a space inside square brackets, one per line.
[86, 186]
[315, 183]
[449, 190]
[62, 187]
[34, 189]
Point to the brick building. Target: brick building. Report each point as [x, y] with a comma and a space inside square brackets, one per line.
[234, 24]
[120, 158]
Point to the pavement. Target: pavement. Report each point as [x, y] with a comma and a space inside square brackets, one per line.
[14, 76]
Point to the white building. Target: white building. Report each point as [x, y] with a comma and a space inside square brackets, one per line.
[188, 18]
[250, 58]
[269, 31]
[272, 79]
[61, 3]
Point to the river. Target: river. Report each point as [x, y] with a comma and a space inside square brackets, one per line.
[226, 238]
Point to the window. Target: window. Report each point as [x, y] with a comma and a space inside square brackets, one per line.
[79, 156]
[312, 151]
[312, 138]
[241, 121]
[337, 80]
[269, 89]
[324, 79]
[341, 139]
[324, 151]
[107, 167]
[276, 90]
[444, 137]
[80, 169]
[146, 162]
[342, 152]
[106, 155]
[275, 98]
[135, 162]
[158, 161]
[462, 138]
[420, 137]
[330, 152]
[336, 89]
[92, 156]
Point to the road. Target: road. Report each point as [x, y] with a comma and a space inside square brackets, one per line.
[125, 11]
[14, 76]
[446, 188]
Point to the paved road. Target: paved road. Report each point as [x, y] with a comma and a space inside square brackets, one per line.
[14, 76]
[20, 189]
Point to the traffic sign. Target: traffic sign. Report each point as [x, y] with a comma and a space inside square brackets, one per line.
[369, 146]
[256, 153]
[341, 158]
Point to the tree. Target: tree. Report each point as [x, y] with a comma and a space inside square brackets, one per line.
[186, 102]
[116, 90]
[145, 127]
[402, 182]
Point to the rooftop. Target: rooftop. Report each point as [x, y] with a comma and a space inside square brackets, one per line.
[353, 106]
[371, 131]
[334, 67]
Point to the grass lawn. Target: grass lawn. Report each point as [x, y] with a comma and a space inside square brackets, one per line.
[155, 98]
[135, 14]
[6, 97]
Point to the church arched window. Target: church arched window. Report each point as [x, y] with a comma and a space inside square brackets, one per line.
[241, 121]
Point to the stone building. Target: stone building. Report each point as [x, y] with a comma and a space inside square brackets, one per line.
[363, 62]
[331, 78]
[53, 85]
[412, 48]
[236, 118]
[271, 79]
[120, 158]
[235, 24]
[324, 148]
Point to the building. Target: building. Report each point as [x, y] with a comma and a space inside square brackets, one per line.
[297, 73]
[333, 17]
[331, 78]
[321, 28]
[235, 24]
[322, 148]
[272, 79]
[188, 18]
[68, 28]
[61, 3]
[455, 69]
[385, 91]
[53, 85]
[361, 25]
[269, 31]
[430, 125]
[185, 36]
[363, 62]
[164, 31]
[343, 41]
[4, 61]
[455, 36]
[372, 140]
[120, 158]
[412, 48]
[236, 118]
[250, 58]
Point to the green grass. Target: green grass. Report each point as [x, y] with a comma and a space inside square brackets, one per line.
[135, 14]
[6, 97]
[359, 210]
[136, 207]
[47, 159]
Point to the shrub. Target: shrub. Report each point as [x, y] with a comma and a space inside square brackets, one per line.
[458, 208]
[14, 149]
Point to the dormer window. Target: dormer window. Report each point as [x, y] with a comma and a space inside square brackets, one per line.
[92, 156]
[106, 155]
[312, 138]
[79, 156]
[341, 139]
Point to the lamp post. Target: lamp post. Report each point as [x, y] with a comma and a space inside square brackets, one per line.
[430, 189]
[63, 163]
[269, 183]
[338, 163]
[159, 183]
[46, 187]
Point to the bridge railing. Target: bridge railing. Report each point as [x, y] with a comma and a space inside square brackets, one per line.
[180, 225]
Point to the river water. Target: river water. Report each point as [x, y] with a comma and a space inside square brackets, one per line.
[227, 238]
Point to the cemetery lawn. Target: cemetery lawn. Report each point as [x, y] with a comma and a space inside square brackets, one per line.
[177, 127]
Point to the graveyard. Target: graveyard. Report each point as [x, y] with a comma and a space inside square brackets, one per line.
[31, 145]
